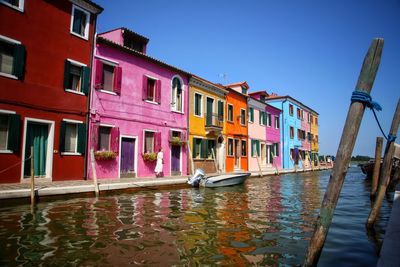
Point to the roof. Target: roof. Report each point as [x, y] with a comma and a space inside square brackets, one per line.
[243, 83]
[263, 92]
[139, 54]
[135, 34]
[234, 91]
[91, 6]
[292, 99]
[220, 86]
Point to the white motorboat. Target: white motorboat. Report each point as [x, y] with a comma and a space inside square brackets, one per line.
[199, 179]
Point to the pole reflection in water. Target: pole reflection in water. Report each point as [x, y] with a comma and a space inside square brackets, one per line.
[267, 221]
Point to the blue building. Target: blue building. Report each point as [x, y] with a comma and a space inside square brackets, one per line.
[295, 130]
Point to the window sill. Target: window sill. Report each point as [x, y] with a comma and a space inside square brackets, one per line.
[176, 111]
[108, 92]
[71, 154]
[198, 116]
[80, 36]
[8, 75]
[231, 122]
[20, 9]
[230, 156]
[74, 92]
[152, 102]
[6, 152]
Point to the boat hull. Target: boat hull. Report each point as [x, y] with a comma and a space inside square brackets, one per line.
[224, 180]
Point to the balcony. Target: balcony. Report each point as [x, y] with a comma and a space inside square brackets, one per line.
[214, 122]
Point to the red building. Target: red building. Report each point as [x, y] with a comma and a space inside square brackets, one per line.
[45, 60]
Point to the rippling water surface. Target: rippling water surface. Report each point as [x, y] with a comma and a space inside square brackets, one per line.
[265, 222]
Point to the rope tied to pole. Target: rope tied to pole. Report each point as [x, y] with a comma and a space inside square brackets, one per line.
[365, 98]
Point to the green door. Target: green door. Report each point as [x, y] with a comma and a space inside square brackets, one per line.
[36, 136]
[209, 118]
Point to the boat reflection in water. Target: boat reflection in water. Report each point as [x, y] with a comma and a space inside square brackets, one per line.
[267, 221]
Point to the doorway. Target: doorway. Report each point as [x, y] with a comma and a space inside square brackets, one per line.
[237, 153]
[128, 153]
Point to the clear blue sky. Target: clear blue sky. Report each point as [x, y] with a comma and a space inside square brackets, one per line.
[310, 50]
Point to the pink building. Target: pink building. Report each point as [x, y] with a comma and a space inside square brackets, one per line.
[138, 105]
[273, 131]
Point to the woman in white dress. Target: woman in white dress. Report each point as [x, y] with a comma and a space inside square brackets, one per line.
[159, 166]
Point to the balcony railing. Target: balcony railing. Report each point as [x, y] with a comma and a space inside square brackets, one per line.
[213, 122]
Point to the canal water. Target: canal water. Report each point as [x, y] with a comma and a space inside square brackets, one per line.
[265, 222]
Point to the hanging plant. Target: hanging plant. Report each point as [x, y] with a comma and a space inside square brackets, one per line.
[149, 156]
[176, 140]
[105, 155]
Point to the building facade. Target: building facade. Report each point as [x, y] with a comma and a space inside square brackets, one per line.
[207, 126]
[314, 138]
[292, 132]
[139, 105]
[44, 86]
[236, 127]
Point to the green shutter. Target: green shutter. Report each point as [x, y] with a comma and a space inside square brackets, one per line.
[251, 111]
[85, 80]
[221, 110]
[62, 136]
[260, 117]
[19, 61]
[252, 147]
[258, 147]
[204, 148]
[194, 148]
[67, 65]
[81, 138]
[13, 134]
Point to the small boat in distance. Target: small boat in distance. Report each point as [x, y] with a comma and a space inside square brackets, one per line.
[199, 179]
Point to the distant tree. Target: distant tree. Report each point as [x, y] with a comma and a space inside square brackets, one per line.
[360, 158]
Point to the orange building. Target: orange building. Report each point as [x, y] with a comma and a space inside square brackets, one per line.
[236, 127]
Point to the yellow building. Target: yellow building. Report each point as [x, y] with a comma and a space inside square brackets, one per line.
[314, 138]
[207, 124]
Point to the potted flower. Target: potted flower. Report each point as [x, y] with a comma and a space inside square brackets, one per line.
[176, 140]
[105, 155]
[148, 156]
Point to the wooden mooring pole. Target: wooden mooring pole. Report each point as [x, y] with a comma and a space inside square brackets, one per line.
[32, 179]
[384, 178]
[352, 125]
[377, 166]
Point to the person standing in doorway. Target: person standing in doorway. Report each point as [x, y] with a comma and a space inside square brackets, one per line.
[160, 163]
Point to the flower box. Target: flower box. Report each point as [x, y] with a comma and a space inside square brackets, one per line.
[176, 141]
[105, 155]
[149, 156]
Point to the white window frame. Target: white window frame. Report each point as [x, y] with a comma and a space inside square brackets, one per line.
[14, 42]
[261, 119]
[77, 137]
[144, 139]
[242, 110]
[155, 90]
[201, 105]
[268, 118]
[173, 97]
[81, 65]
[277, 120]
[251, 121]
[8, 112]
[108, 126]
[87, 26]
[241, 147]
[233, 147]
[19, 8]
[227, 113]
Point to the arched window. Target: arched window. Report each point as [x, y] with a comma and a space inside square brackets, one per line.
[177, 94]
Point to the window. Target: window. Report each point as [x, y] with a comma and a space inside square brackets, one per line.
[80, 22]
[198, 104]
[275, 149]
[244, 148]
[268, 119]
[301, 134]
[210, 148]
[230, 113]
[299, 114]
[177, 95]
[72, 137]
[262, 98]
[220, 110]
[151, 89]
[108, 77]
[196, 148]
[251, 114]
[291, 132]
[104, 138]
[12, 58]
[242, 117]
[17, 4]
[309, 118]
[9, 131]
[309, 136]
[316, 138]
[244, 90]
[316, 120]
[202, 148]
[263, 118]
[276, 122]
[230, 147]
[76, 77]
[149, 142]
[290, 109]
[255, 148]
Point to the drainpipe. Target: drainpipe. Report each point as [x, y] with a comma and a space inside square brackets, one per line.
[89, 98]
[283, 137]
